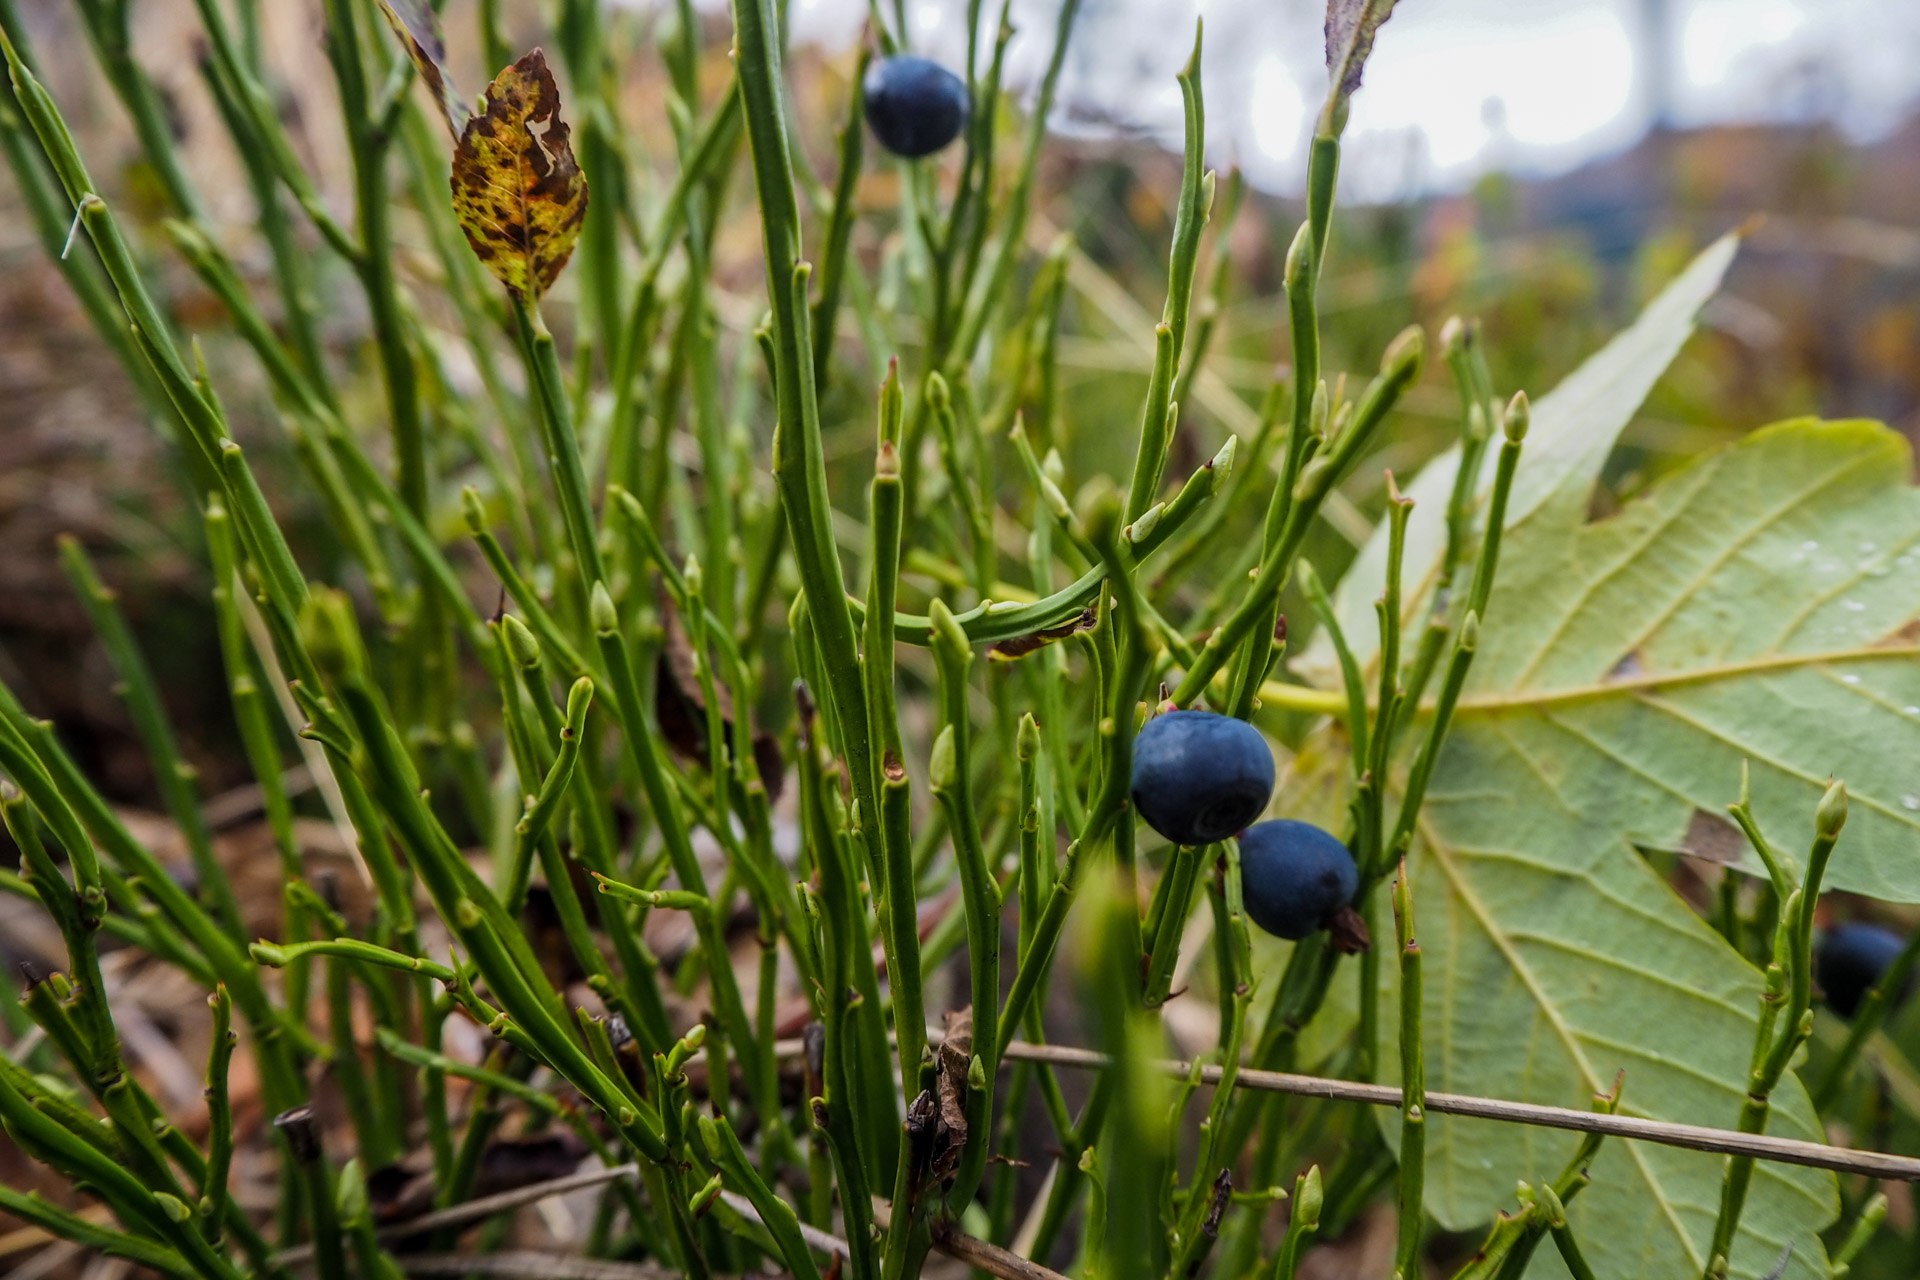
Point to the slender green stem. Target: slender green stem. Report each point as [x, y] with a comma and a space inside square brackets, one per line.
[1413, 1088]
[563, 447]
[1786, 1015]
[950, 772]
[724, 1149]
[895, 878]
[173, 775]
[1399, 368]
[370, 139]
[213, 1202]
[1190, 218]
[799, 463]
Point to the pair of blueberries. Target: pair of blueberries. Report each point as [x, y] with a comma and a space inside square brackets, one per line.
[1199, 778]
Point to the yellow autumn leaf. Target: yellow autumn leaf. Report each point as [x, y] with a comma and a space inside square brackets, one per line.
[517, 190]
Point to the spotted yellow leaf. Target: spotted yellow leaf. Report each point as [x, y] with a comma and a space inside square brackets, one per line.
[518, 192]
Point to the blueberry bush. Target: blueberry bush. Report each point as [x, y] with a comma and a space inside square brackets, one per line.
[799, 771]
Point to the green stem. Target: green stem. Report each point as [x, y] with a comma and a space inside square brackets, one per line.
[799, 463]
[173, 775]
[1413, 1089]
[949, 773]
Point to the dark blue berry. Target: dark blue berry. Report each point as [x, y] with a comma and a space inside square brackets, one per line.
[1199, 777]
[1851, 960]
[914, 106]
[1295, 877]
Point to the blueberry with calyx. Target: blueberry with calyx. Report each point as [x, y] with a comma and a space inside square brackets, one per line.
[1297, 879]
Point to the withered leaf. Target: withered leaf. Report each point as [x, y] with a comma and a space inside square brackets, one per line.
[517, 190]
[681, 707]
[418, 27]
[950, 1129]
[1021, 646]
[1351, 26]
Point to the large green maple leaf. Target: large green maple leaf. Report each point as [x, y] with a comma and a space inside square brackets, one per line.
[1763, 605]
[1759, 606]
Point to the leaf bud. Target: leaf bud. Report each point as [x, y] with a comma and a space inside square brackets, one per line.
[474, 510]
[350, 1193]
[579, 698]
[1300, 266]
[1143, 527]
[1053, 467]
[948, 635]
[940, 771]
[1027, 743]
[1405, 354]
[600, 611]
[1518, 418]
[1470, 632]
[1556, 1211]
[521, 642]
[1832, 813]
[1221, 468]
[1308, 1199]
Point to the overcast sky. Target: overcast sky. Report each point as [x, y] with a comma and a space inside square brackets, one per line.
[1455, 86]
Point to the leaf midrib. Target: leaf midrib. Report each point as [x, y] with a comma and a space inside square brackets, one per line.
[1528, 699]
[1461, 890]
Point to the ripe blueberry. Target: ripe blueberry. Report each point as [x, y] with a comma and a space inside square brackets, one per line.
[1851, 960]
[1199, 777]
[1295, 877]
[915, 106]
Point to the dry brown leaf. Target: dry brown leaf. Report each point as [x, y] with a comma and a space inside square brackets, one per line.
[418, 27]
[1021, 646]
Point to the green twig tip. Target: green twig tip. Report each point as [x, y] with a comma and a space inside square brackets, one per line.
[1405, 354]
[600, 611]
[1299, 267]
[1222, 464]
[1832, 813]
[1518, 418]
[522, 644]
[579, 698]
[473, 510]
[1308, 1198]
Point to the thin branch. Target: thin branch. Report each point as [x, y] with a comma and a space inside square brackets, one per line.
[529, 1265]
[484, 1207]
[977, 1253]
[1816, 1155]
[1010, 1266]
